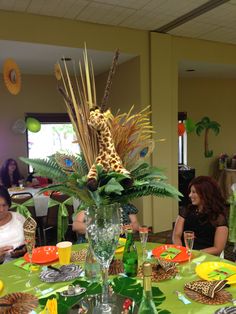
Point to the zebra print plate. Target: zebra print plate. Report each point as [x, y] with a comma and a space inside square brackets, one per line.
[65, 273]
[226, 310]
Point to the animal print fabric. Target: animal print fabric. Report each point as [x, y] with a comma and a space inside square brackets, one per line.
[207, 288]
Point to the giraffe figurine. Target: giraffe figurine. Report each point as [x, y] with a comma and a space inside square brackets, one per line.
[107, 156]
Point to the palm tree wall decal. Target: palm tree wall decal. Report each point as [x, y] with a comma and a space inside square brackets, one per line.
[207, 125]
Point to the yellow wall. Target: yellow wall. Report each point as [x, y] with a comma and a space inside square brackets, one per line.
[63, 32]
[159, 55]
[38, 94]
[215, 98]
[165, 54]
[125, 89]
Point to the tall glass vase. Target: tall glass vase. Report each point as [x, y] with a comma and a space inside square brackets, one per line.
[103, 231]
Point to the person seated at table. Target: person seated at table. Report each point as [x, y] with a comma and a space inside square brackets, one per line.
[11, 229]
[129, 217]
[205, 216]
[10, 174]
[34, 181]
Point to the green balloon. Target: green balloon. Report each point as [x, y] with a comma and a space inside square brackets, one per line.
[189, 125]
[33, 125]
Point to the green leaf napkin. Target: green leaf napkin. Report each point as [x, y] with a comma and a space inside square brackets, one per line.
[22, 264]
[221, 273]
[26, 265]
[170, 253]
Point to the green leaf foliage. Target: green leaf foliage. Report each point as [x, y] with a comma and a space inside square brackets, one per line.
[65, 304]
[208, 153]
[124, 286]
[131, 288]
[111, 186]
[46, 168]
[144, 170]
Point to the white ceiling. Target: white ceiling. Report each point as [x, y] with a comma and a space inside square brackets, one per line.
[219, 24]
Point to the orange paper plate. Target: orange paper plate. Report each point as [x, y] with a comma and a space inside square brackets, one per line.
[43, 255]
[181, 257]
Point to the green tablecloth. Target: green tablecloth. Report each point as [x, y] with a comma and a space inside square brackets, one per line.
[15, 278]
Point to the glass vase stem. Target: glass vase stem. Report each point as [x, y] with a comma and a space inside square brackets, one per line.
[105, 288]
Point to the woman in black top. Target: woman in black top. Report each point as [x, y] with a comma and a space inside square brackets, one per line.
[205, 216]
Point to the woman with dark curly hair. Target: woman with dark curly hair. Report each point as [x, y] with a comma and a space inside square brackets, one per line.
[205, 216]
[9, 174]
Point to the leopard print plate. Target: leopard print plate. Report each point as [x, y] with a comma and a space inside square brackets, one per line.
[220, 297]
[18, 303]
[158, 273]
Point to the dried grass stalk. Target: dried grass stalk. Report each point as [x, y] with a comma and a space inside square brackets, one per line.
[79, 94]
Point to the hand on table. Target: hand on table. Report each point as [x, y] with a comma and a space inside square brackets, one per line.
[18, 252]
[3, 251]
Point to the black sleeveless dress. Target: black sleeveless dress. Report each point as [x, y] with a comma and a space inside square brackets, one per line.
[204, 229]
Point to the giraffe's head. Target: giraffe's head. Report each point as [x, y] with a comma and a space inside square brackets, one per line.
[97, 119]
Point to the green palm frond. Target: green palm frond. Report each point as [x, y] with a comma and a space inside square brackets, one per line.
[81, 164]
[46, 168]
[157, 188]
[144, 170]
[215, 127]
[112, 186]
[145, 188]
[199, 128]
[70, 190]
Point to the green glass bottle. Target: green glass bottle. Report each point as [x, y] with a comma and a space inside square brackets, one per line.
[130, 256]
[147, 305]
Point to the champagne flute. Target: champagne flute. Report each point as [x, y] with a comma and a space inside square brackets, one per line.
[30, 244]
[189, 240]
[143, 234]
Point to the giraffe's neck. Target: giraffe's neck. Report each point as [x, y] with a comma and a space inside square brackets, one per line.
[105, 139]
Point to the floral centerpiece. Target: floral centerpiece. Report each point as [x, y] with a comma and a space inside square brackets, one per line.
[111, 168]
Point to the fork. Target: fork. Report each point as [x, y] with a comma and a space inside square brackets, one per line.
[233, 301]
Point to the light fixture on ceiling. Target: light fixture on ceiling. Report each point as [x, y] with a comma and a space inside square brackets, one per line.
[205, 7]
[66, 59]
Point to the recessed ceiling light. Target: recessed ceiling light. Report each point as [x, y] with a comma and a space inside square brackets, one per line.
[190, 70]
[66, 59]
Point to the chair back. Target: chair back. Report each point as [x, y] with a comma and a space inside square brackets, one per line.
[61, 198]
[21, 198]
[52, 216]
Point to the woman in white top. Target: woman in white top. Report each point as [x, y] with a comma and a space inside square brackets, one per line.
[11, 228]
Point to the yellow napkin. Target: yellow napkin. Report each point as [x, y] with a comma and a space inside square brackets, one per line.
[50, 307]
[1, 286]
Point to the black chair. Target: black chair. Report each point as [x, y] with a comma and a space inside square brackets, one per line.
[50, 222]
